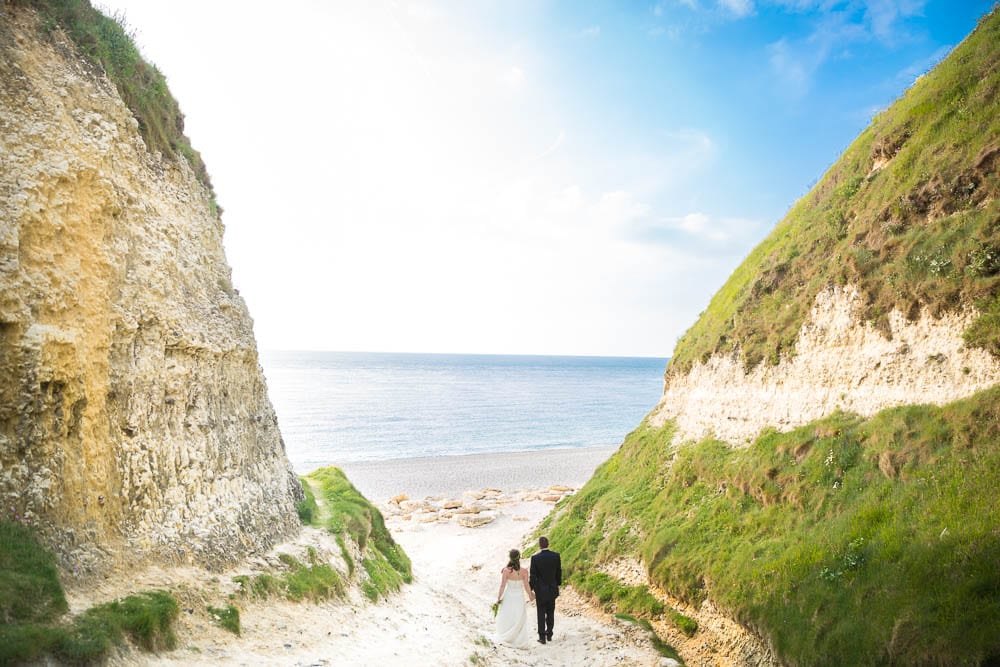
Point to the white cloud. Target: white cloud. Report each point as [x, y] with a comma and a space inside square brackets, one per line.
[698, 228]
[738, 8]
[591, 31]
[699, 224]
[839, 25]
[882, 16]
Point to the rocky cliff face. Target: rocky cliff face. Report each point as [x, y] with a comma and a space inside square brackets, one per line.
[841, 363]
[133, 412]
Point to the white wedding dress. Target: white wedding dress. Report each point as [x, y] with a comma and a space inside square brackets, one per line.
[512, 617]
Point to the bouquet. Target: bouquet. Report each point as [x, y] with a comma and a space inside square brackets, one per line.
[495, 608]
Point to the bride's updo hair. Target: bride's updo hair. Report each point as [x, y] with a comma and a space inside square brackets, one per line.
[515, 560]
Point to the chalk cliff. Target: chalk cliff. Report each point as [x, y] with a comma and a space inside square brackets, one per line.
[134, 416]
[841, 362]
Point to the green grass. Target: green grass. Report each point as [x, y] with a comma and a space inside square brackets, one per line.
[314, 581]
[108, 43]
[924, 231]
[29, 581]
[147, 619]
[846, 541]
[33, 609]
[227, 618]
[349, 515]
[306, 507]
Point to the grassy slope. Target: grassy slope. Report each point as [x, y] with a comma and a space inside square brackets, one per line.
[347, 513]
[32, 606]
[845, 542]
[106, 42]
[922, 231]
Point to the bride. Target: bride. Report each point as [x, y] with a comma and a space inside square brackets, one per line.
[512, 617]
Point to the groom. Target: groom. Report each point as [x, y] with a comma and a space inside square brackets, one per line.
[545, 577]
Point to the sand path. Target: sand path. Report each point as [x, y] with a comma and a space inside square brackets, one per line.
[442, 618]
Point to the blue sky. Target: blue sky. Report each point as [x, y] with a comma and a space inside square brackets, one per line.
[519, 177]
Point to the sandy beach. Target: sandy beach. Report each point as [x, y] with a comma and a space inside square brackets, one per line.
[452, 475]
[442, 618]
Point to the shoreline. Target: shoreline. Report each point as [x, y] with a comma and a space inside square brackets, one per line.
[453, 475]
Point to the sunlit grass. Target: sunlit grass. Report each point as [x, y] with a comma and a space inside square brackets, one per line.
[846, 541]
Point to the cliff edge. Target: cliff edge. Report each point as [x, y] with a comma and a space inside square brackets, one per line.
[134, 416]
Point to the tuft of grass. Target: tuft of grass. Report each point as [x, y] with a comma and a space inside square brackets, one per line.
[351, 515]
[32, 604]
[984, 332]
[147, 619]
[685, 624]
[227, 618]
[382, 578]
[315, 581]
[29, 581]
[921, 232]
[109, 44]
[306, 507]
[845, 541]
[619, 597]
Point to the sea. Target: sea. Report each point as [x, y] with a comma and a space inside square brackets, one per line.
[340, 407]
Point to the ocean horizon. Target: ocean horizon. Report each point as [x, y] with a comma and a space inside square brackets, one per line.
[347, 407]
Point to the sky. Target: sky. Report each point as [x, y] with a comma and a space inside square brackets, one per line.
[514, 177]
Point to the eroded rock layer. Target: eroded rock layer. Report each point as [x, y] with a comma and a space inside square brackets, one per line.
[134, 417]
[841, 363]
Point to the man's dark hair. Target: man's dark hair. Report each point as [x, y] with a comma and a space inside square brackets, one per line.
[543, 542]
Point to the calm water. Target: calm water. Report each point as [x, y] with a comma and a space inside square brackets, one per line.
[336, 407]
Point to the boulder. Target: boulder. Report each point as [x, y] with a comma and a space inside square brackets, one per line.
[475, 521]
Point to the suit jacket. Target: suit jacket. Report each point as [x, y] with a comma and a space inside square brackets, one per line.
[545, 576]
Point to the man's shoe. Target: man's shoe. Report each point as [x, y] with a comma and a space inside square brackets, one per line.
[549, 637]
[541, 640]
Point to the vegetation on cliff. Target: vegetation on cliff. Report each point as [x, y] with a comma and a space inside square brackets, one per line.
[107, 43]
[32, 607]
[847, 541]
[909, 214]
[315, 581]
[348, 514]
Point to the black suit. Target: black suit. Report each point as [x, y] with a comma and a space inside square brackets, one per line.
[545, 578]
